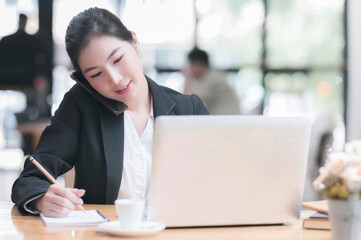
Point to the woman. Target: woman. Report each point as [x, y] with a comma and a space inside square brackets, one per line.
[104, 125]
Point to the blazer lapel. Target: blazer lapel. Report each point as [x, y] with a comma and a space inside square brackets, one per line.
[113, 142]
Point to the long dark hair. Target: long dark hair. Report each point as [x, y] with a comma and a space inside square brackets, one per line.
[88, 24]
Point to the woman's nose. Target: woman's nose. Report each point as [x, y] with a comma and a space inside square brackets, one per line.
[114, 76]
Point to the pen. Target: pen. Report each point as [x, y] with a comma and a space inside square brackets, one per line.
[47, 174]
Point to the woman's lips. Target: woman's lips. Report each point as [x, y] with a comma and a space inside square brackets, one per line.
[124, 90]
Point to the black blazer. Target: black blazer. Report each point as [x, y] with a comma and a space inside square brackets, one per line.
[85, 134]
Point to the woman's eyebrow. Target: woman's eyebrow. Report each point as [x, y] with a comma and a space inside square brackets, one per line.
[110, 55]
[89, 69]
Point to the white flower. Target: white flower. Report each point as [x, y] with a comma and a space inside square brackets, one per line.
[346, 158]
[352, 178]
[342, 168]
[353, 147]
[321, 178]
[335, 167]
[337, 156]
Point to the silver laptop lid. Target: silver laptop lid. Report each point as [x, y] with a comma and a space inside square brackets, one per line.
[228, 170]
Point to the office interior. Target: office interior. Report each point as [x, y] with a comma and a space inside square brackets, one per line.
[282, 58]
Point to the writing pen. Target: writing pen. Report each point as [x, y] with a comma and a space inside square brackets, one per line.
[47, 174]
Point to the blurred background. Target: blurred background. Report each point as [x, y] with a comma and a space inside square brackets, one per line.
[280, 57]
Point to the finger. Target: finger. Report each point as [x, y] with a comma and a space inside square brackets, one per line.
[58, 201]
[60, 209]
[66, 193]
[48, 212]
[53, 208]
[78, 192]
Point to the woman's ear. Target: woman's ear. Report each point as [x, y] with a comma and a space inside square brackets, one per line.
[136, 42]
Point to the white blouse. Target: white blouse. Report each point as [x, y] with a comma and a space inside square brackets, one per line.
[137, 160]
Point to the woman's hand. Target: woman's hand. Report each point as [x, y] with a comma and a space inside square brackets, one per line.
[59, 201]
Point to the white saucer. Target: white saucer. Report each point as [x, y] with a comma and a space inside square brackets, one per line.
[146, 229]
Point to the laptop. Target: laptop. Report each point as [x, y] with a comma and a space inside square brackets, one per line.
[228, 170]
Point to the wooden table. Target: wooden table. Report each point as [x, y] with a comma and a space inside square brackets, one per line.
[15, 226]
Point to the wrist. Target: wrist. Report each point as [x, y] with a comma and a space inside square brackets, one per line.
[36, 204]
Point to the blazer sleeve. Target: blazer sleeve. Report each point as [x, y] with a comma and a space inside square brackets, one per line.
[199, 108]
[56, 152]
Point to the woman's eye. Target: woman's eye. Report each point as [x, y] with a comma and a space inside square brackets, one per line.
[95, 75]
[118, 59]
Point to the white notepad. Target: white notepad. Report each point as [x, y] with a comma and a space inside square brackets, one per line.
[76, 219]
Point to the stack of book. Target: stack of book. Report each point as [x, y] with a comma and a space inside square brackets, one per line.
[318, 220]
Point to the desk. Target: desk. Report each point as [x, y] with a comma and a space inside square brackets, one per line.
[15, 226]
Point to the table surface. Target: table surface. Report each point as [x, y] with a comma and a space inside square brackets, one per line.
[15, 226]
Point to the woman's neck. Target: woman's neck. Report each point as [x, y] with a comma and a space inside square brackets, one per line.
[142, 103]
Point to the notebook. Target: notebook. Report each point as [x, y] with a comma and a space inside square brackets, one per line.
[228, 170]
[317, 221]
[76, 219]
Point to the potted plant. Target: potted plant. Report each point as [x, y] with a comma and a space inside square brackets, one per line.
[340, 181]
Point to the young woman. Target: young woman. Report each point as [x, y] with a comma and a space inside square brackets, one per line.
[104, 125]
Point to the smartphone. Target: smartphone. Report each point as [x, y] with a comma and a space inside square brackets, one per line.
[115, 107]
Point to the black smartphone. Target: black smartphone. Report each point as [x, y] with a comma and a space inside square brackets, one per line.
[115, 107]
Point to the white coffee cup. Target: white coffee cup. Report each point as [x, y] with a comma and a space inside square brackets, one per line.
[130, 213]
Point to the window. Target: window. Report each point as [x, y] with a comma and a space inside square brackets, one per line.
[293, 50]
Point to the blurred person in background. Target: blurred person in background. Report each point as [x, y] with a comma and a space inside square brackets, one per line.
[22, 58]
[210, 85]
[18, 55]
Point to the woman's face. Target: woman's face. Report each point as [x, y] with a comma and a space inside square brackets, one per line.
[113, 68]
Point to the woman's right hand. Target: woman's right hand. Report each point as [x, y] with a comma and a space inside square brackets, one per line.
[59, 201]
